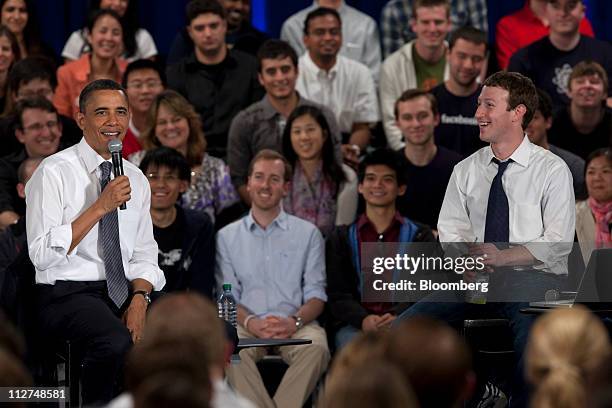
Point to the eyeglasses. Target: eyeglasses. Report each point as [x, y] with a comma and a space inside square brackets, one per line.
[140, 85]
[168, 178]
[37, 127]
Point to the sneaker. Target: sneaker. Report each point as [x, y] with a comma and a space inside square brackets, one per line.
[492, 397]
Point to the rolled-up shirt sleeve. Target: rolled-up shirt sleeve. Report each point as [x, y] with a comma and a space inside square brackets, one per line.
[314, 271]
[559, 220]
[49, 236]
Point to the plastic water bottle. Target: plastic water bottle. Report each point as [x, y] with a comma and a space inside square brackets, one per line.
[226, 305]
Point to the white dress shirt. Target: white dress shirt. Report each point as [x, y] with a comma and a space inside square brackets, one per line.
[361, 44]
[541, 203]
[63, 186]
[347, 90]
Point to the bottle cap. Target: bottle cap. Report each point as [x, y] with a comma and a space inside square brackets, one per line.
[227, 286]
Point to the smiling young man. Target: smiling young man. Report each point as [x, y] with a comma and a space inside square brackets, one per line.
[426, 166]
[511, 191]
[336, 82]
[143, 80]
[39, 132]
[279, 286]
[261, 125]
[381, 183]
[457, 96]
[586, 124]
[216, 80]
[185, 237]
[419, 64]
[95, 265]
[549, 61]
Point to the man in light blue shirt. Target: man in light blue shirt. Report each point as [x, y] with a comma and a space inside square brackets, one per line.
[275, 263]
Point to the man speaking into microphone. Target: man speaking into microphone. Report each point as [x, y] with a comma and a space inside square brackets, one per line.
[95, 265]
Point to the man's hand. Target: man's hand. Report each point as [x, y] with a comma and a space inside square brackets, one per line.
[370, 323]
[385, 321]
[491, 255]
[117, 192]
[134, 317]
[350, 153]
[260, 328]
[281, 327]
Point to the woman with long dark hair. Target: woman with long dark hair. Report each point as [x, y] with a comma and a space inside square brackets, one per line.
[138, 43]
[19, 17]
[105, 33]
[323, 191]
[9, 53]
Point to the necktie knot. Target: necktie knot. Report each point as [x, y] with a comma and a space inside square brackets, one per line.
[501, 166]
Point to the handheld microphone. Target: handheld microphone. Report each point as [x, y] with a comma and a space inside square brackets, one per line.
[115, 148]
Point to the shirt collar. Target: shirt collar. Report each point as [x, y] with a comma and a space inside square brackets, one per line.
[340, 10]
[364, 220]
[520, 155]
[311, 66]
[268, 110]
[281, 221]
[89, 156]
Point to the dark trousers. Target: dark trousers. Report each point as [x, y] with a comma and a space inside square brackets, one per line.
[82, 313]
[450, 307]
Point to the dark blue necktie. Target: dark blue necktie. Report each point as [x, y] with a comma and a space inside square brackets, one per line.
[108, 243]
[497, 226]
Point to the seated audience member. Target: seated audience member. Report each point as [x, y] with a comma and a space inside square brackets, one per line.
[549, 61]
[184, 237]
[323, 190]
[95, 296]
[381, 182]
[336, 82]
[564, 350]
[10, 51]
[372, 384]
[143, 80]
[105, 34]
[15, 265]
[586, 124]
[183, 336]
[20, 18]
[240, 36]
[396, 26]
[427, 168]
[594, 215]
[174, 123]
[538, 130]
[39, 132]
[421, 63]
[137, 42]
[532, 204]
[432, 357]
[30, 78]
[279, 287]
[261, 125]
[525, 26]
[457, 97]
[219, 82]
[361, 45]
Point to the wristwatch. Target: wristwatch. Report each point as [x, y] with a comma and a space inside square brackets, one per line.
[299, 322]
[144, 294]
